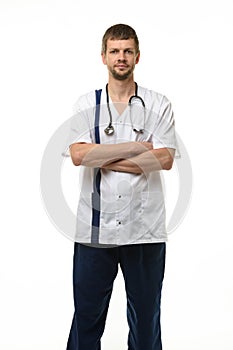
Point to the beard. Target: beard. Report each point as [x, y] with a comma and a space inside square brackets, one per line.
[121, 75]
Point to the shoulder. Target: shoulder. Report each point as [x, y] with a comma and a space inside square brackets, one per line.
[153, 99]
[85, 101]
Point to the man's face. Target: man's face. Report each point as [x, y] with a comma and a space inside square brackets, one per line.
[120, 58]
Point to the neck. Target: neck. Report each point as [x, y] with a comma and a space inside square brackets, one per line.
[121, 91]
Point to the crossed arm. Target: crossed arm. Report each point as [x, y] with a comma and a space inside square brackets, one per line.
[130, 157]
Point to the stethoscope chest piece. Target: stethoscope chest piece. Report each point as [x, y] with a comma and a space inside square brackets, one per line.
[109, 130]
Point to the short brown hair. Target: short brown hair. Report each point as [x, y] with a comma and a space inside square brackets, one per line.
[119, 32]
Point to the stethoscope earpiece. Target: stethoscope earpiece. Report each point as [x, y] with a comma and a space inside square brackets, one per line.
[141, 131]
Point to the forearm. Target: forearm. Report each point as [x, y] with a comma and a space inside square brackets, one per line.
[155, 160]
[99, 155]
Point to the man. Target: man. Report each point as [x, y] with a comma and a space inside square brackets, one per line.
[122, 147]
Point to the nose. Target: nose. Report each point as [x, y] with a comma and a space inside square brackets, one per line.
[121, 56]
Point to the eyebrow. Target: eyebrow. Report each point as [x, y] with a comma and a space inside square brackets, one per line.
[115, 48]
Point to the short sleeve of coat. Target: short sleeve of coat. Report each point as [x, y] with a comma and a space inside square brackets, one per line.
[164, 135]
[81, 121]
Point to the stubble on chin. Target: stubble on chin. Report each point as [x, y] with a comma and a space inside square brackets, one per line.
[122, 76]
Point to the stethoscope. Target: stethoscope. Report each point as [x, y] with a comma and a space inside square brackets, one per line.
[133, 99]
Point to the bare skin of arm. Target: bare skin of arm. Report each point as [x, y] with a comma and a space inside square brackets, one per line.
[99, 155]
[152, 160]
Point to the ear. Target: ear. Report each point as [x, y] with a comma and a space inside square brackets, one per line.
[137, 58]
[103, 58]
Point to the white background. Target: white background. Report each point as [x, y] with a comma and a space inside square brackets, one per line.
[50, 54]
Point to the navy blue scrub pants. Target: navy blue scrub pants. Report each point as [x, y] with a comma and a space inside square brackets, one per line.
[95, 270]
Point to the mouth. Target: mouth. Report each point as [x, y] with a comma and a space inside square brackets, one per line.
[121, 66]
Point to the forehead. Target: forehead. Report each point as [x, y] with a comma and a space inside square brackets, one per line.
[120, 44]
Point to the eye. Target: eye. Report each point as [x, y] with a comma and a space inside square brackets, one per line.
[113, 51]
[129, 52]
